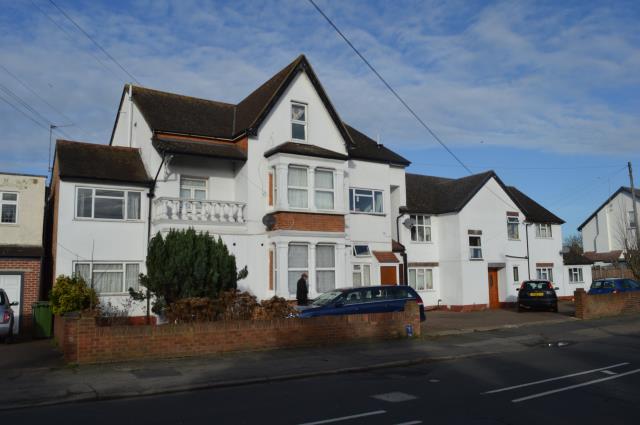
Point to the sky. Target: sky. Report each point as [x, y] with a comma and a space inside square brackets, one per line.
[547, 94]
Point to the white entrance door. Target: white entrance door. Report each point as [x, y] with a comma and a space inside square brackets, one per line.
[11, 283]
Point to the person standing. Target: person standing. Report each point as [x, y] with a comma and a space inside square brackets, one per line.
[302, 290]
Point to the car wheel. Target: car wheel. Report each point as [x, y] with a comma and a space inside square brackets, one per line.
[520, 308]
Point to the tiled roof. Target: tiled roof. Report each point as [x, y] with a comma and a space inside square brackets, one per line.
[185, 115]
[79, 160]
[201, 148]
[573, 258]
[385, 257]
[604, 257]
[438, 195]
[306, 150]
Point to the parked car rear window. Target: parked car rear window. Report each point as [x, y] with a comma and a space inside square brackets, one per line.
[402, 292]
[536, 285]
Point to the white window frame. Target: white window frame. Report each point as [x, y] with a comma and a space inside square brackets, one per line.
[511, 220]
[472, 248]
[300, 122]
[192, 189]
[124, 265]
[363, 270]
[367, 254]
[516, 274]
[547, 233]
[544, 273]
[274, 186]
[305, 188]
[426, 228]
[426, 284]
[326, 269]
[93, 203]
[575, 275]
[3, 202]
[324, 190]
[352, 201]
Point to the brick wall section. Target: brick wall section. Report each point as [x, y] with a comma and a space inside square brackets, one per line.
[603, 305]
[308, 222]
[30, 268]
[83, 342]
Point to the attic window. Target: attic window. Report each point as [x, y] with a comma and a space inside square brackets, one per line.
[298, 121]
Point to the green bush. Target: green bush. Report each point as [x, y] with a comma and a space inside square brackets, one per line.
[71, 294]
[188, 264]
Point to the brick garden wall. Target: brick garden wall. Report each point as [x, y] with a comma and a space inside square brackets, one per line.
[82, 341]
[593, 306]
[30, 269]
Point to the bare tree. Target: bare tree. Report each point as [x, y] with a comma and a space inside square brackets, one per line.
[573, 243]
[629, 239]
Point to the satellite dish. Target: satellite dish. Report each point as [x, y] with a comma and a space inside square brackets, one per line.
[409, 222]
[269, 221]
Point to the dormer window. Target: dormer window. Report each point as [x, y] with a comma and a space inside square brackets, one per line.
[298, 122]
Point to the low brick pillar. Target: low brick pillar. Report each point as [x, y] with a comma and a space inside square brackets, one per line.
[579, 296]
[65, 334]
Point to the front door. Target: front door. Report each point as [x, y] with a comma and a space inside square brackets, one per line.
[12, 285]
[388, 275]
[494, 299]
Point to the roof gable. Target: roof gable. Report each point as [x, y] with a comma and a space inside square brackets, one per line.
[622, 189]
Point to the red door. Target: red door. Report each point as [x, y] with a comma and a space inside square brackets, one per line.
[388, 275]
[494, 298]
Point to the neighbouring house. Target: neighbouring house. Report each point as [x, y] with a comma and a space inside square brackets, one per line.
[473, 240]
[604, 232]
[22, 202]
[290, 188]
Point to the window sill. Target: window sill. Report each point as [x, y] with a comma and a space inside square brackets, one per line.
[423, 242]
[544, 237]
[9, 224]
[108, 220]
[514, 240]
[476, 259]
[367, 213]
[577, 283]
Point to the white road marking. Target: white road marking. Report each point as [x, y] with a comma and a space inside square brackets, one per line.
[410, 423]
[542, 381]
[394, 397]
[608, 372]
[571, 387]
[346, 418]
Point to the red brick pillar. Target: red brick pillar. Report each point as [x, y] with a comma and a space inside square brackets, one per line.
[580, 297]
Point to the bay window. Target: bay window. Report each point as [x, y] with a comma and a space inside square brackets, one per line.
[324, 189]
[298, 263]
[365, 201]
[297, 187]
[110, 278]
[421, 228]
[107, 204]
[325, 268]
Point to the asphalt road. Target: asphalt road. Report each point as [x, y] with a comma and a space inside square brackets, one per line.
[590, 381]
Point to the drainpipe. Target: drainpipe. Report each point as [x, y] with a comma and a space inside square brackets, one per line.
[403, 253]
[151, 195]
[526, 231]
[130, 124]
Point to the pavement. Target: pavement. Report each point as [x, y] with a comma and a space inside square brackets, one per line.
[37, 376]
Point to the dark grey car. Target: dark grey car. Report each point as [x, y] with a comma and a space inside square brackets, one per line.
[6, 316]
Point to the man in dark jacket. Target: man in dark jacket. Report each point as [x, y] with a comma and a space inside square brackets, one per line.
[302, 290]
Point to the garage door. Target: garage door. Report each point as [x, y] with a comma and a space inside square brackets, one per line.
[12, 285]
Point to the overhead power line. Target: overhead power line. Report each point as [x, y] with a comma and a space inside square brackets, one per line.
[391, 89]
[94, 41]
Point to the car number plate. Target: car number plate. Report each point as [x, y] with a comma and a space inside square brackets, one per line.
[537, 294]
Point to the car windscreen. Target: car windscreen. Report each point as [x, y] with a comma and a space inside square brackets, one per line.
[536, 285]
[326, 298]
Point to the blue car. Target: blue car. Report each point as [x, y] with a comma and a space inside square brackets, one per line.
[613, 286]
[369, 299]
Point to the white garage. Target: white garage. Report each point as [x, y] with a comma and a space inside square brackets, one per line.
[12, 285]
